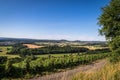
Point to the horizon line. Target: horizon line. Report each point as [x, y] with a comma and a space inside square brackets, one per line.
[49, 39]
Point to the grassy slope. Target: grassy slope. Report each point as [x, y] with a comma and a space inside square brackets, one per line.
[109, 72]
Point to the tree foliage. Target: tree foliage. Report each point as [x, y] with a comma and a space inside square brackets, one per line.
[110, 22]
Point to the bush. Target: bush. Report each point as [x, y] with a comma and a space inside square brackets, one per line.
[3, 59]
[2, 71]
[115, 56]
[98, 51]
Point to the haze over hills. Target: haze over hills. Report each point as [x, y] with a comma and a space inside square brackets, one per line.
[44, 40]
[12, 41]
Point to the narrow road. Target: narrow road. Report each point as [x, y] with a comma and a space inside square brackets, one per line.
[67, 74]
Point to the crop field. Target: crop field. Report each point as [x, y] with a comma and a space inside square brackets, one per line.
[33, 46]
[53, 55]
[47, 65]
[92, 47]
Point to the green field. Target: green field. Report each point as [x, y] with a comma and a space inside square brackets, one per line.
[4, 50]
[55, 55]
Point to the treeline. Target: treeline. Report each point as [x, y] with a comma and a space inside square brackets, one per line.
[23, 50]
[32, 66]
[97, 51]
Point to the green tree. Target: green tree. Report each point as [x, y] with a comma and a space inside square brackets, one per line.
[109, 21]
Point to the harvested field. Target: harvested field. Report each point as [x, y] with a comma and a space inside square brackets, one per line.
[92, 47]
[33, 46]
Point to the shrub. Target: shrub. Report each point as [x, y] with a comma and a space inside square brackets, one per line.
[3, 59]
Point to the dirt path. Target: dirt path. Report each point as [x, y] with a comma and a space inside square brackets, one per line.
[67, 74]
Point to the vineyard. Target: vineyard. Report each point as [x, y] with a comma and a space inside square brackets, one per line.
[32, 66]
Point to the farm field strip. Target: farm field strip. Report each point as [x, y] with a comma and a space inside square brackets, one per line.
[33, 46]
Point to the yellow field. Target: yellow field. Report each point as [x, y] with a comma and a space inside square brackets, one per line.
[92, 47]
[33, 46]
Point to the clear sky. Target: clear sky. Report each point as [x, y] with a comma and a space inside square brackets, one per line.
[51, 19]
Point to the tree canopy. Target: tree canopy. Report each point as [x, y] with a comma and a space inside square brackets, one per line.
[109, 21]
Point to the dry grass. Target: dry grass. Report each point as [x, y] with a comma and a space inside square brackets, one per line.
[92, 47]
[109, 72]
[33, 46]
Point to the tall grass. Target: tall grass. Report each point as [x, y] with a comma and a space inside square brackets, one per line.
[109, 72]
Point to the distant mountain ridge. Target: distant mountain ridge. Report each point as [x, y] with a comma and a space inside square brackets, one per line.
[43, 40]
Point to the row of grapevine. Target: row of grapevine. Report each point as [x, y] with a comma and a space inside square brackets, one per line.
[50, 64]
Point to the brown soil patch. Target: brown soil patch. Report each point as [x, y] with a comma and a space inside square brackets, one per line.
[33, 46]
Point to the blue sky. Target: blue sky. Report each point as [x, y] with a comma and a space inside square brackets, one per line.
[51, 19]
